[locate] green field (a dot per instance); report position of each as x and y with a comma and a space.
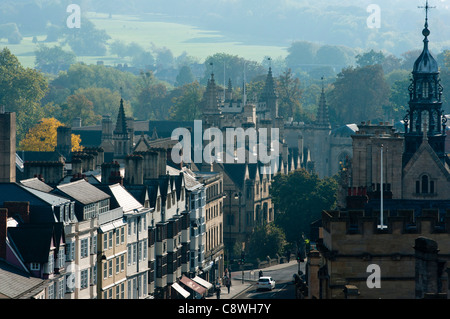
176, 37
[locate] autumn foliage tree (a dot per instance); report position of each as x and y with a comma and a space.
43, 137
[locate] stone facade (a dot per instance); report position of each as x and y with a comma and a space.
8, 147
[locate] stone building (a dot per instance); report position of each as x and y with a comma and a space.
397, 209
8, 147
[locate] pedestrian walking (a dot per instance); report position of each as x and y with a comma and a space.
228, 284
260, 273
218, 290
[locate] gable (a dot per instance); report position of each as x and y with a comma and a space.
425, 159
425, 164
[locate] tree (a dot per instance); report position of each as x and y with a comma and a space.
266, 240
78, 105
150, 100
331, 55
370, 58
301, 54
85, 76
409, 58
43, 137
104, 101
184, 76
21, 91
54, 59
143, 60
87, 40
289, 96
118, 48
399, 98
358, 95
164, 58
186, 107
299, 199
234, 67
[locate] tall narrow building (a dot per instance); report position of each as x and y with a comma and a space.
267, 108
121, 136
210, 105
425, 115
323, 119
7, 147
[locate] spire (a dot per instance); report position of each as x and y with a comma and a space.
269, 88
424, 117
322, 113
211, 98
229, 91
426, 63
121, 124
269, 96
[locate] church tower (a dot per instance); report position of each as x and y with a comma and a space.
425, 115
121, 136
323, 119
268, 101
210, 105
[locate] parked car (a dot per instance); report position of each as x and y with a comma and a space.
265, 283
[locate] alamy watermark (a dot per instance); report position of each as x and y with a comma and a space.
374, 19
374, 279
237, 146
74, 19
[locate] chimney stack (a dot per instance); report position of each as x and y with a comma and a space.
19, 208
7, 147
64, 140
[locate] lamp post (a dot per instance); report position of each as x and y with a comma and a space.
238, 196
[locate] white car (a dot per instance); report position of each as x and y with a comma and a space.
265, 283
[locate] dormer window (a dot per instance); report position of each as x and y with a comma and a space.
35, 266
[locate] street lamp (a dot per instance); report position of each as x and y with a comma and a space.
238, 196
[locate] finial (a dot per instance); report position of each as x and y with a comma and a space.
426, 31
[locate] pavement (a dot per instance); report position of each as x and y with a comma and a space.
239, 286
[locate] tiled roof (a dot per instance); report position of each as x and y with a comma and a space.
83, 192
17, 284
37, 184
33, 241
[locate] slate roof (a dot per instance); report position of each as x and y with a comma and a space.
236, 172
33, 241
83, 192
89, 138
152, 188
345, 131
31, 156
92, 135
138, 192
40, 202
37, 184
124, 198
165, 128
18, 284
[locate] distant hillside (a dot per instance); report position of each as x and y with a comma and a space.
257, 22
335, 22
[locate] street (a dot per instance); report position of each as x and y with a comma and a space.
283, 276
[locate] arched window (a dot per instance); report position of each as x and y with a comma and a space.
424, 185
